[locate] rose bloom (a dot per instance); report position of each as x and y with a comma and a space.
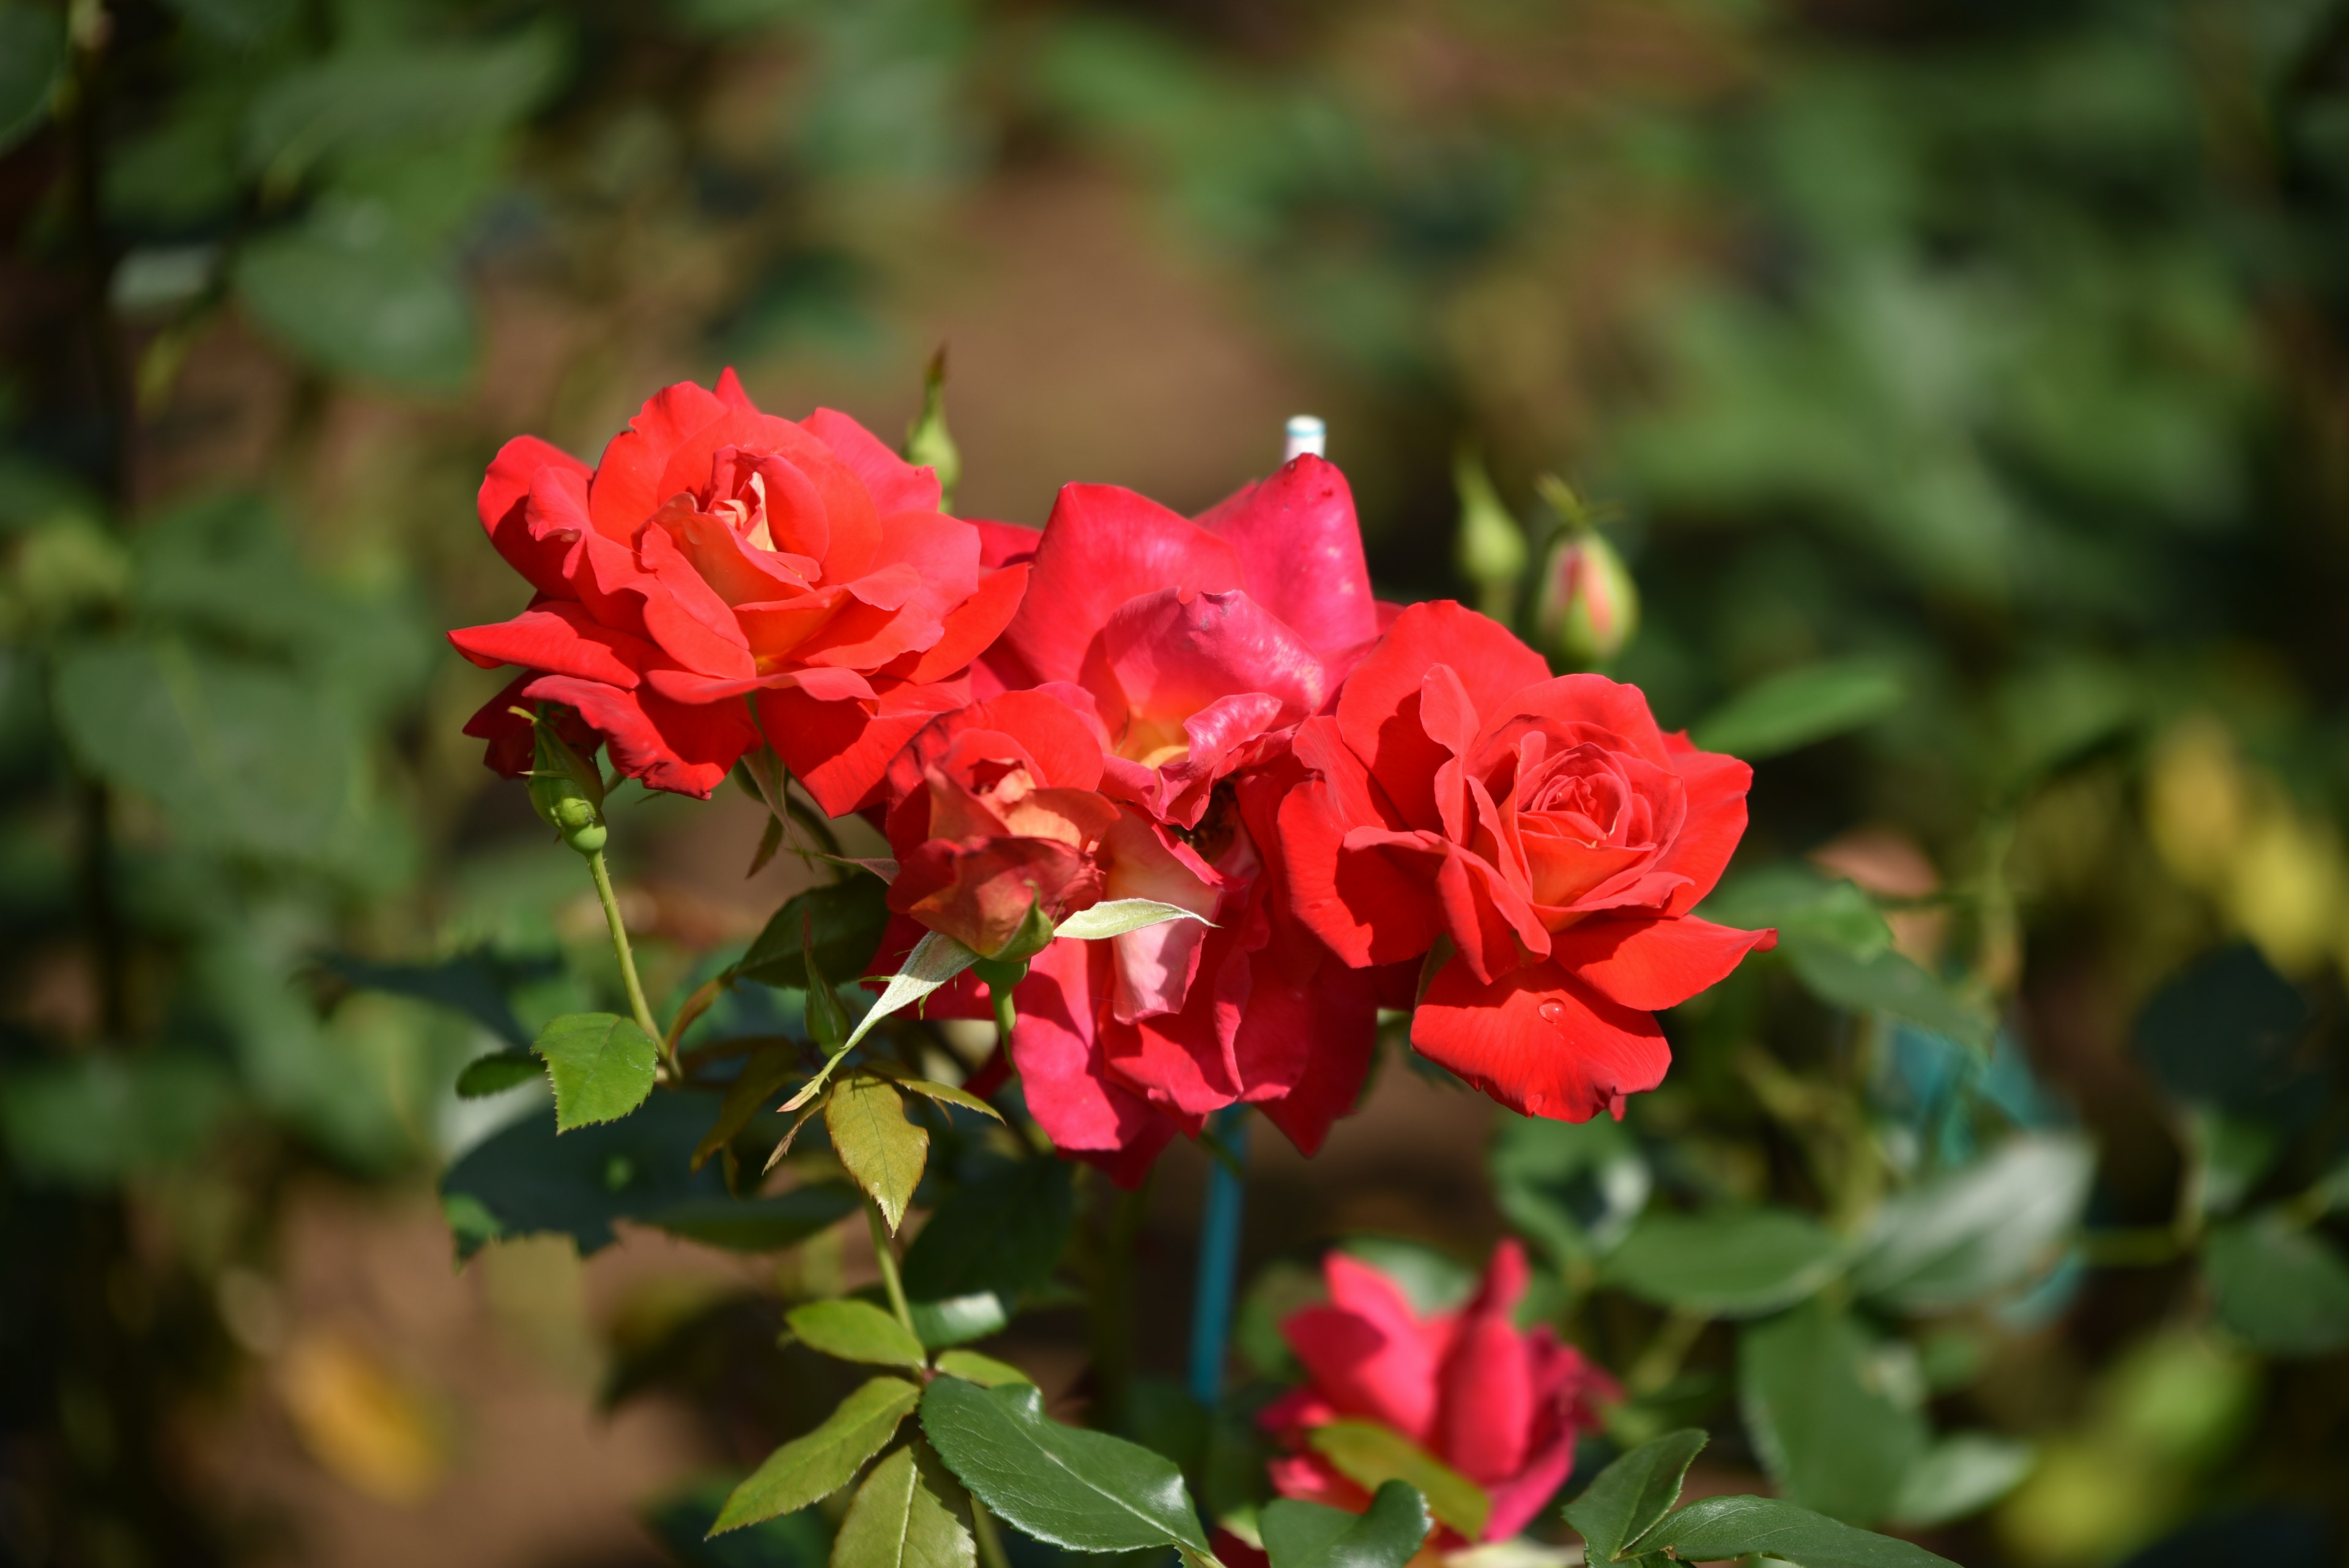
717, 554
1187, 651
1542, 827
1500, 1406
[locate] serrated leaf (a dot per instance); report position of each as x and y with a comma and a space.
898, 1521
984, 1370
762, 1077
825, 1460
1115, 917
1821, 1402
1310, 1535
528, 1179
948, 1095
1732, 1262
602, 1065
1718, 1527
935, 960
496, 1072
847, 919
880, 1148
2282, 1287
1626, 1499
1975, 1232
1085, 1490
851, 1330
1370, 1455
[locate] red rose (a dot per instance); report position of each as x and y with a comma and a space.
1501, 1407
1543, 825
718, 553
1189, 651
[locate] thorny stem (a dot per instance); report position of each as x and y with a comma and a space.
644, 1014
887, 1256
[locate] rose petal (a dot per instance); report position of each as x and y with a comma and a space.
1539, 1042
1653, 964
1301, 549
1103, 545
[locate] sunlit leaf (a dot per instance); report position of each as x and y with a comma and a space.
1116, 917
819, 1464
602, 1066
1370, 1455
1624, 1501
898, 1521
852, 1330
880, 1148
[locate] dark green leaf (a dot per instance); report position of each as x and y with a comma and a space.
896, 1520
1574, 1186
874, 1142
526, 1179
1973, 1232
1627, 1497
497, 1073
762, 1077
602, 1065
1797, 707
473, 983
31, 59
1828, 1412
680, 1521
1370, 1455
848, 919
1716, 1527
2229, 1033
1003, 1233
1085, 1490
93, 1118
2231, 1154
767, 1224
352, 294
242, 23
958, 1320
1309, 1535
1730, 1261
983, 1370
1961, 1474
825, 1460
851, 1330
1888, 981
2281, 1286
374, 96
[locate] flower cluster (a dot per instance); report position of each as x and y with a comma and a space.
1364, 805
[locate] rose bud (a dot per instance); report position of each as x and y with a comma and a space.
929, 444
566, 790
1491, 550
1588, 607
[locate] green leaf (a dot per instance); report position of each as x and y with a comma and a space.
852, 1330
349, 293
958, 1320
1001, 1233
1719, 1527
365, 97
1973, 1232
1115, 917
473, 983
679, 1522
880, 1148
2227, 1032
1797, 707
825, 1460
767, 1224
240, 23
983, 1370
496, 1072
1961, 1474
2281, 1287
1573, 1187
1626, 1499
1734, 1263
946, 1094
2231, 1154
847, 919
761, 1079
90, 1119
1888, 981
1387, 1534
526, 1179
1085, 1490
602, 1065
896, 1520
935, 960
1370, 1455
31, 59
1828, 1411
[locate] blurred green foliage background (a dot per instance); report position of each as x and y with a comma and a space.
1966, 387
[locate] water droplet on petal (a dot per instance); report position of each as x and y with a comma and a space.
1553, 1012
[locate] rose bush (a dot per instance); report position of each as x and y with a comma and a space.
716, 554
1540, 830
1187, 652
1501, 1405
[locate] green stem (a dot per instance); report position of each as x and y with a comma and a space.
1004, 1017
885, 1255
644, 1013
991, 1542
1660, 1361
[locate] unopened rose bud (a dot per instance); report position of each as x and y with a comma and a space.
1491, 549
926, 438
1588, 607
566, 790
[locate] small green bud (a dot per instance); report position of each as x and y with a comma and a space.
1588, 609
566, 789
927, 441
1491, 550
1034, 935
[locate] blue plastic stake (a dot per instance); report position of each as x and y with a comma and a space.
1219, 1258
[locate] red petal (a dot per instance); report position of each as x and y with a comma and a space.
1005, 544
1488, 1380
1103, 545
841, 749
504, 505
895, 484
1061, 1074
625, 490
976, 622
1716, 787
1368, 1352
688, 621
1653, 964
1538, 1042
1162, 656
558, 637
1378, 711
1334, 1021
1299, 543
1368, 909
1618, 709
685, 748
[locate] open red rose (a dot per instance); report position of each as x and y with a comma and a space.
716, 554
1500, 1406
1545, 827
1188, 651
